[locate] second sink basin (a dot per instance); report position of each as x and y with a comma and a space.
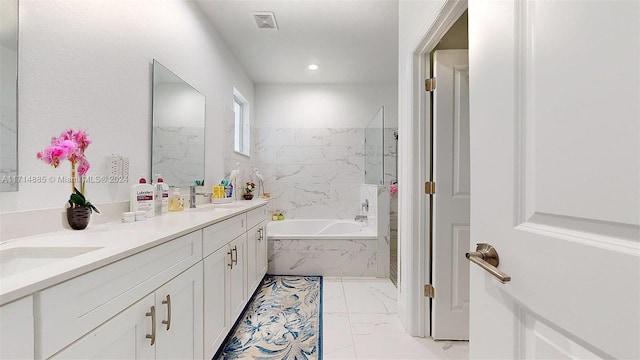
20, 259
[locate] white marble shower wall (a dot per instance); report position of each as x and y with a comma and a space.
312, 173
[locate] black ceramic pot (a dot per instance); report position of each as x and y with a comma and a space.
78, 217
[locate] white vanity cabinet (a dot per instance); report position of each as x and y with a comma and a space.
175, 300
225, 279
166, 324
216, 311
179, 316
238, 294
122, 337
256, 247
90, 307
16, 329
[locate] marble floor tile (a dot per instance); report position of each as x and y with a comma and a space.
381, 336
333, 300
360, 322
375, 296
337, 341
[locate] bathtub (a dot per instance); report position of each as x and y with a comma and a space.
322, 247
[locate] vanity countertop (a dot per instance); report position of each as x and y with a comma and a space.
49, 261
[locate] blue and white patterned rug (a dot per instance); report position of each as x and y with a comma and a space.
283, 320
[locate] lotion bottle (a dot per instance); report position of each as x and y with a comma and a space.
141, 198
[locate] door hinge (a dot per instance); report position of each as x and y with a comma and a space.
430, 84
430, 188
429, 291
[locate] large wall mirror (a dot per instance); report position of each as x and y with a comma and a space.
178, 129
8, 95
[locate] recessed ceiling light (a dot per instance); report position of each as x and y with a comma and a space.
313, 67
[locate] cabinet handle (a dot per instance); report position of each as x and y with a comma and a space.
152, 336
168, 303
231, 263
259, 234
235, 249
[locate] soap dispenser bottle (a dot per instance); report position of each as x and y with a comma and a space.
176, 202
163, 191
141, 198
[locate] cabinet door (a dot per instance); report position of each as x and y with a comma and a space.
216, 299
16, 329
256, 255
261, 254
252, 253
122, 337
238, 276
179, 316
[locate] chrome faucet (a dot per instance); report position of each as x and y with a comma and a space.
365, 205
192, 196
361, 218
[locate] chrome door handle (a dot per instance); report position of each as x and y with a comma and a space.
231, 256
487, 257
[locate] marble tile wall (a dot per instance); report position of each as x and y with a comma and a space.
312, 172
340, 257
337, 257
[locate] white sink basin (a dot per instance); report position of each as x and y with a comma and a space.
20, 259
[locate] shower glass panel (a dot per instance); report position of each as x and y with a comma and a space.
374, 149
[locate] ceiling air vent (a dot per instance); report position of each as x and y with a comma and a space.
265, 20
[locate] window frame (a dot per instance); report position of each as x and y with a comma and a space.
242, 124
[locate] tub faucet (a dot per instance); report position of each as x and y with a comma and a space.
361, 218
192, 196
365, 205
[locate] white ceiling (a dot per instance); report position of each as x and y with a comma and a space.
352, 41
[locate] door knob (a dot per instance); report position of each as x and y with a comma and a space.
487, 257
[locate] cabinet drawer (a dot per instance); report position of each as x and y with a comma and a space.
217, 235
255, 216
71, 309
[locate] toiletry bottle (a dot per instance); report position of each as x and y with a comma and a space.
141, 198
176, 202
164, 190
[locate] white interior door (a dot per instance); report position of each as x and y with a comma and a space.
450, 231
555, 176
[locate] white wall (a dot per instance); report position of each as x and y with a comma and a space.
324, 105
415, 18
87, 64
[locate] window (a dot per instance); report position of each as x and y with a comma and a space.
242, 135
